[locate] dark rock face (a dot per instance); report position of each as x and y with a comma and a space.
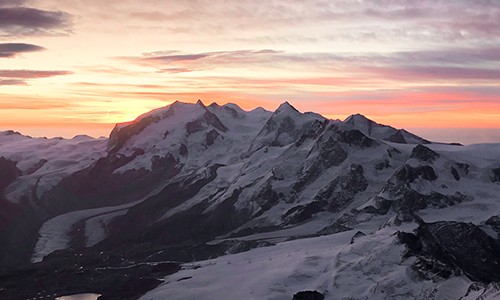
332, 229
301, 213
210, 137
411, 202
286, 126
355, 137
308, 295
193, 226
18, 222
335, 197
423, 154
194, 126
19, 226
97, 185
463, 168
312, 132
144, 214
397, 138
381, 207
496, 175
357, 235
233, 112
341, 191
266, 198
8, 172
494, 223
382, 165
183, 150
449, 248
455, 174
37, 166
211, 119
408, 174
405, 200
330, 154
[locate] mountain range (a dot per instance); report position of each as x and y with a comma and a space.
214, 202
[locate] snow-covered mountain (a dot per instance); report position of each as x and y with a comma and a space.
213, 202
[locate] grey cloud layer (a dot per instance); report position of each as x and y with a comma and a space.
21, 77
12, 82
23, 21
31, 74
9, 50
448, 64
11, 2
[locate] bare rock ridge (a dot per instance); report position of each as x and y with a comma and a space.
188, 182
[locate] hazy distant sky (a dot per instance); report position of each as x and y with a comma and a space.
69, 67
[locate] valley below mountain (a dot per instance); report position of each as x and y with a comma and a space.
214, 202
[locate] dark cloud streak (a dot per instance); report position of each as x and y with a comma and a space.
172, 58
10, 50
23, 21
31, 74
12, 82
11, 2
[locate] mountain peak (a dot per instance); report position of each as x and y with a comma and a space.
199, 103
286, 107
357, 118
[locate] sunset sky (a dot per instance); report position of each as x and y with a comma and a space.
69, 67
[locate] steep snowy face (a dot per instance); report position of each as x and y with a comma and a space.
195, 135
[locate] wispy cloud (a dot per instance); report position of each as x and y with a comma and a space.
31, 74
24, 21
21, 77
10, 50
12, 82
202, 60
11, 2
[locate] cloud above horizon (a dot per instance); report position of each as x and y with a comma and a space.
407, 66
10, 50
11, 2
23, 21
21, 77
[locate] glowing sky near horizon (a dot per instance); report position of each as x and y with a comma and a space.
69, 67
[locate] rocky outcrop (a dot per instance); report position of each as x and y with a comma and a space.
194, 126
141, 216
8, 172
18, 222
308, 295
452, 248
210, 137
341, 191
496, 175
327, 154
423, 154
